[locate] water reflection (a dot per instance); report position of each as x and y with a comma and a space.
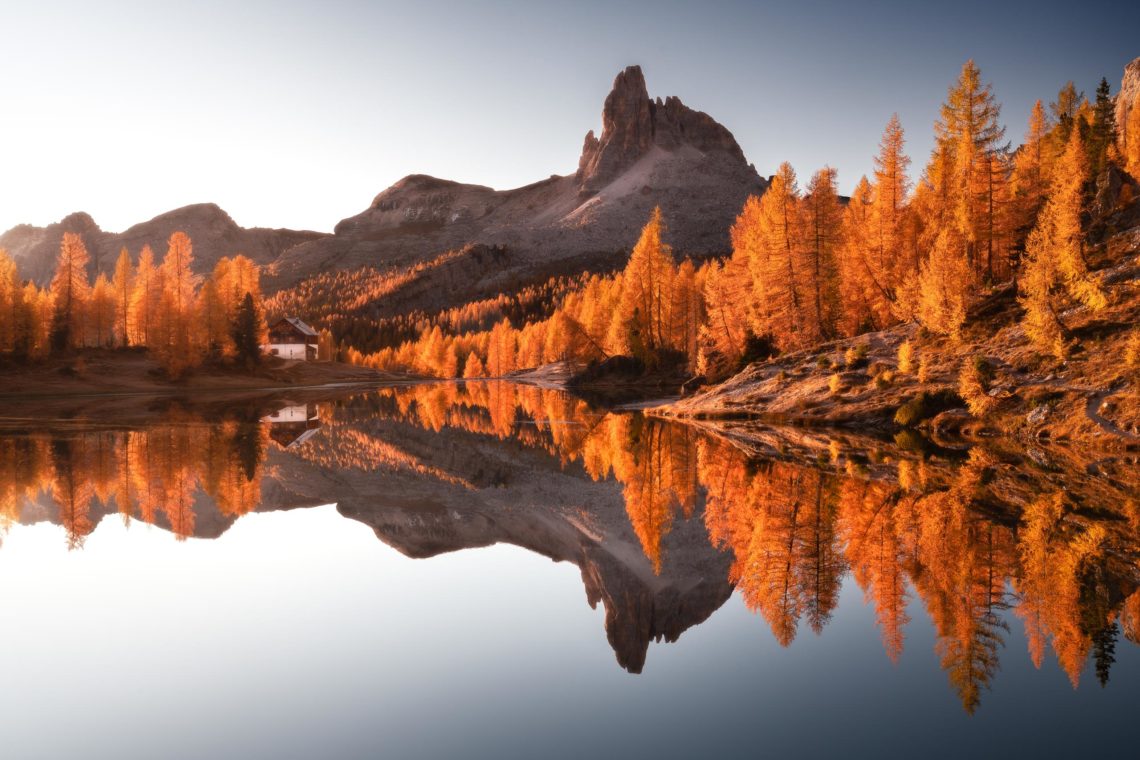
665, 521
170, 473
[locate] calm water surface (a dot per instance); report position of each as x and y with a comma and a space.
372, 576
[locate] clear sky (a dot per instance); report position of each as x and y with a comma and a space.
296, 114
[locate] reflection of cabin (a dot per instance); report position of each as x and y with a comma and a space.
290, 338
291, 425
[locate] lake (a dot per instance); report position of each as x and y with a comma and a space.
497, 570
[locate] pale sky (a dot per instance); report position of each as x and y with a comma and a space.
297, 114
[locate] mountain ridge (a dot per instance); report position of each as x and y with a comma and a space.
214, 232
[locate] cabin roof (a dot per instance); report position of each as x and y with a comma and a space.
298, 324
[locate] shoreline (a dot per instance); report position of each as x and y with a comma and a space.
209, 390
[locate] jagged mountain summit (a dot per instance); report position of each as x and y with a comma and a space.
632, 125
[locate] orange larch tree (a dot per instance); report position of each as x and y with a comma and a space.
70, 290
122, 289
145, 299
892, 186
1055, 255
641, 324
823, 219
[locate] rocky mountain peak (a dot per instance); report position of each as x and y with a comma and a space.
627, 131
79, 222
203, 219
632, 124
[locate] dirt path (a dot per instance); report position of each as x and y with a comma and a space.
1096, 397
1092, 410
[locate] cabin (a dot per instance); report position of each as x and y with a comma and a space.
290, 338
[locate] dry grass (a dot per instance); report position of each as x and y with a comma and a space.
906, 357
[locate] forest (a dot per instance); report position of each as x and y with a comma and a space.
181, 318
152, 474
808, 266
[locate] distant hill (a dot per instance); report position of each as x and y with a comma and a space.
214, 234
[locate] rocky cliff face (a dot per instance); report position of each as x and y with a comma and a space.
632, 124
212, 230
1126, 100
35, 248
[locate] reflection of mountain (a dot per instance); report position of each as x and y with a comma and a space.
663, 522
383, 462
426, 492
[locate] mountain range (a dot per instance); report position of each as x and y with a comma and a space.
651, 152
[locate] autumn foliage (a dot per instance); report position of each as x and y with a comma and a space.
182, 318
153, 474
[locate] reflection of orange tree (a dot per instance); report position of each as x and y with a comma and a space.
656, 464
1054, 555
965, 561
143, 473
72, 489
233, 463
871, 529
653, 462
25, 470
793, 530
779, 523
934, 537
1130, 617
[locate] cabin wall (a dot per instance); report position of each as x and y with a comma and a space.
295, 351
